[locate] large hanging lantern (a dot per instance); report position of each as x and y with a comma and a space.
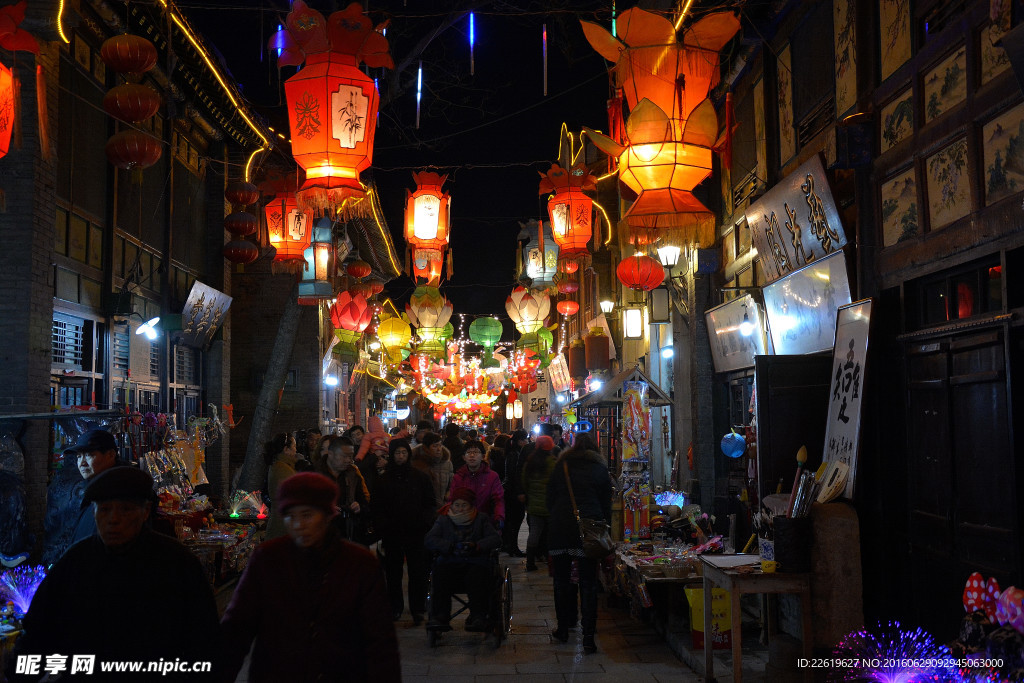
131, 149
539, 255
640, 272
486, 332
429, 311
394, 335
672, 127
569, 210
332, 105
427, 226
290, 228
128, 54
351, 312
528, 309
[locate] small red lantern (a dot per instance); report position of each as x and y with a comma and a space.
332, 105
241, 193
359, 269
376, 285
241, 223
290, 229
132, 149
6, 108
128, 53
568, 266
568, 307
351, 312
568, 286
241, 251
570, 211
131, 102
360, 289
640, 272
427, 226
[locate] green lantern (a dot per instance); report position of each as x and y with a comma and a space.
448, 332
485, 331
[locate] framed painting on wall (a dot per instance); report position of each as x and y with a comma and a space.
1002, 141
993, 58
897, 120
949, 185
844, 19
784, 79
900, 218
894, 34
842, 431
945, 86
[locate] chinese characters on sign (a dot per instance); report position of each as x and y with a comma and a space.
796, 222
847, 392
203, 314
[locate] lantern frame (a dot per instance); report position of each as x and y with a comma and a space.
570, 211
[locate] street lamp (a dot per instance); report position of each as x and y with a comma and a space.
669, 255
633, 323
607, 306
148, 328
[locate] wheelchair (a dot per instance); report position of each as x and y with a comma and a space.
499, 602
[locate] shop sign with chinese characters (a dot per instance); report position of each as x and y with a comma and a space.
847, 392
204, 312
796, 222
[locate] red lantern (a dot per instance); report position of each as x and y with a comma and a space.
6, 108
132, 149
351, 312
568, 307
332, 105
570, 211
359, 269
127, 53
241, 251
131, 102
290, 229
241, 223
241, 193
568, 266
640, 272
376, 285
568, 286
360, 289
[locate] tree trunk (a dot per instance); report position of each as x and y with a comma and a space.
254, 469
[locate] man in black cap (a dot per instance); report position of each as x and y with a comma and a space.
97, 452
124, 594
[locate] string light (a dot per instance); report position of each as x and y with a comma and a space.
472, 40
544, 37
419, 92
60, 22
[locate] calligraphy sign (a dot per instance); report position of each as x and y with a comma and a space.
204, 312
847, 392
796, 222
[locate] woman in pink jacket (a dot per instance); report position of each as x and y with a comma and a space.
484, 482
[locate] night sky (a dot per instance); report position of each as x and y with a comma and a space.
491, 132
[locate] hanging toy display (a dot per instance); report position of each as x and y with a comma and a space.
636, 455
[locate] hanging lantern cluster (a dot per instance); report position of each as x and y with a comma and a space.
332, 104
429, 311
289, 228
240, 223
640, 272
570, 211
673, 126
131, 102
528, 308
427, 227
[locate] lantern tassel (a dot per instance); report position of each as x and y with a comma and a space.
16, 89
451, 270
42, 112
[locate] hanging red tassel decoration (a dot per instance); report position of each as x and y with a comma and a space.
42, 113
616, 124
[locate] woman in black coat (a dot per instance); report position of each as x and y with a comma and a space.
592, 486
404, 510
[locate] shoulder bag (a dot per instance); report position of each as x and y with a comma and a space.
594, 533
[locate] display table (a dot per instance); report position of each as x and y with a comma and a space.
741, 574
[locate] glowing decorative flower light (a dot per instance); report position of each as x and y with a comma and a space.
528, 309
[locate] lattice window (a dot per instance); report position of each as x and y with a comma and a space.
154, 359
67, 341
120, 354
817, 120
185, 366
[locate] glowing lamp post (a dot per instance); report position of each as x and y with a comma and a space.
332, 105
427, 226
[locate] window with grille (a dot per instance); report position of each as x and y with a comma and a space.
120, 354
185, 366
67, 341
154, 359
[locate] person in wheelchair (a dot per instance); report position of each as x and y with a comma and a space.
463, 539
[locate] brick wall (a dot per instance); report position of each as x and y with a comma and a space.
26, 281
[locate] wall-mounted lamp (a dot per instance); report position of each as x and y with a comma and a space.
149, 329
633, 323
746, 327
330, 381
607, 306
669, 256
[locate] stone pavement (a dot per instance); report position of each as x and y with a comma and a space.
626, 647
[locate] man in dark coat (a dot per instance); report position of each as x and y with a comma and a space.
592, 488
519, 448
123, 594
315, 604
454, 444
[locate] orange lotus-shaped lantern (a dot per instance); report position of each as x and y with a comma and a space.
332, 105
672, 127
528, 309
570, 211
290, 228
427, 225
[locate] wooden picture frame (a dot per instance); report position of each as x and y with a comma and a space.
730, 348
801, 307
846, 394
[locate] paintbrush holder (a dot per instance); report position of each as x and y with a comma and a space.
793, 539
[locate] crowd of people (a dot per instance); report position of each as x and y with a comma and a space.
351, 515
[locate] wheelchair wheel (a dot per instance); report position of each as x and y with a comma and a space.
503, 625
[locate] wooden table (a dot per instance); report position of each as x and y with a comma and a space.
717, 572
